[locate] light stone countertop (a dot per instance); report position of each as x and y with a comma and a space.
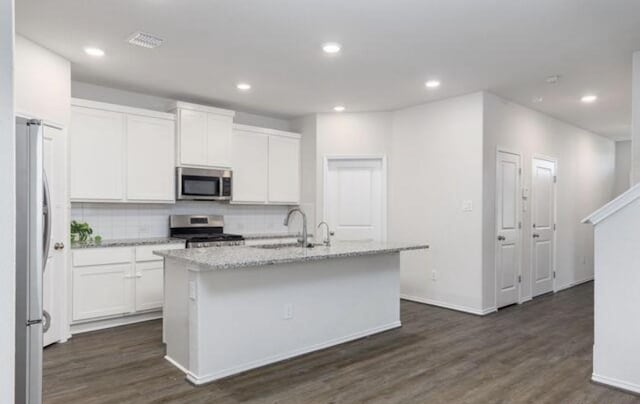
266, 236
133, 242
218, 258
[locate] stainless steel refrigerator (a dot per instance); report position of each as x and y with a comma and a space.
33, 227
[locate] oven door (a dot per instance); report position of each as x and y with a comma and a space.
199, 184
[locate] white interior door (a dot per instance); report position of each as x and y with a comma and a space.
355, 195
54, 287
508, 243
543, 208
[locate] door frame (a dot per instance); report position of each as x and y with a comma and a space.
539, 156
500, 149
341, 157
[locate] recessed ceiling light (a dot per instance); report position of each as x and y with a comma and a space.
589, 98
95, 52
145, 40
339, 108
432, 84
243, 86
331, 48
537, 100
553, 79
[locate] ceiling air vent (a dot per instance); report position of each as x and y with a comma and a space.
145, 40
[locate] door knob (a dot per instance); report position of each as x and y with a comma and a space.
58, 246
535, 235
501, 238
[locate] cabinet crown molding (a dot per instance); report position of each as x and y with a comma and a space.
204, 108
79, 102
265, 131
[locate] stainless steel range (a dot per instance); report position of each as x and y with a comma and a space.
202, 231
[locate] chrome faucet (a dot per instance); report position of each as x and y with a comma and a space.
326, 241
303, 242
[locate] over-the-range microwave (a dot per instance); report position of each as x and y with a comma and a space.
200, 184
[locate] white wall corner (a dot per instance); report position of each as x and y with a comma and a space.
635, 120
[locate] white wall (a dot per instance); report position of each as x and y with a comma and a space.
585, 172
435, 164
42, 83
7, 204
635, 119
623, 167
307, 127
122, 97
348, 134
616, 350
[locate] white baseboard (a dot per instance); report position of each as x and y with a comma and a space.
86, 326
572, 284
619, 384
457, 307
198, 380
176, 364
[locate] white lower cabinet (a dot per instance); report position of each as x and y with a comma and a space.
113, 282
101, 290
149, 285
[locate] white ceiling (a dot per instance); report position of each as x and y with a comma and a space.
390, 47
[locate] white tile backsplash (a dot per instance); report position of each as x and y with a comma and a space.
115, 221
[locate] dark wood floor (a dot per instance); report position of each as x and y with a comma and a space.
539, 352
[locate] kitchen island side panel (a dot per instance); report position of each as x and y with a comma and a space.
251, 317
175, 322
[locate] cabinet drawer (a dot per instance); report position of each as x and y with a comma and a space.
145, 253
102, 256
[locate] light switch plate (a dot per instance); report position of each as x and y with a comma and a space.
467, 206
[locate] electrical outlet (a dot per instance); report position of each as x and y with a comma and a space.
288, 311
467, 206
434, 275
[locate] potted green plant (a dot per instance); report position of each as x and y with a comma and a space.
81, 233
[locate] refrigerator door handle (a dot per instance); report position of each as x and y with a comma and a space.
46, 321
46, 212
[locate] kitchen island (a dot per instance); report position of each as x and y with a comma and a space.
230, 309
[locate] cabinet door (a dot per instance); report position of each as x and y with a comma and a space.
150, 159
104, 290
284, 170
149, 285
249, 160
96, 155
193, 137
219, 140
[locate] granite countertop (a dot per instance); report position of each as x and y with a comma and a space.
217, 258
132, 242
266, 236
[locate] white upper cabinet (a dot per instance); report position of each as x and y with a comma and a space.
192, 129
150, 159
250, 151
204, 136
219, 128
266, 166
96, 154
284, 169
121, 154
